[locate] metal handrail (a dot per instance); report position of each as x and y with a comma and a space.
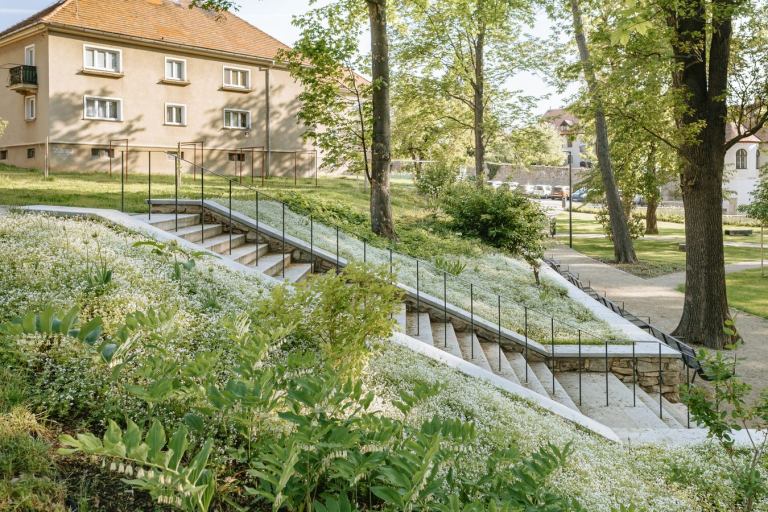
304, 212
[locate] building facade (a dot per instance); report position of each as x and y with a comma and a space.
568, 126
149, 74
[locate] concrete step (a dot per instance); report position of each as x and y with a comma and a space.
558, 394
246, 254
272, 264
620, 411
195, 233
167, 221
418, 326
221, 243
296, 272
471, 349
652, 402
444, 337
400, 316
518, 364
498, 361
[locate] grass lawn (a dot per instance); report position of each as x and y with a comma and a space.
747, 291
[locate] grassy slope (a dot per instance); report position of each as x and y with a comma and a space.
600, 474
657, 257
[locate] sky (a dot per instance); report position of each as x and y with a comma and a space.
274, 17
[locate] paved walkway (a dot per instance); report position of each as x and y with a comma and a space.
677, 278
664, 304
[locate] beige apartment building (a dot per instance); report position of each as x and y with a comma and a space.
82, 73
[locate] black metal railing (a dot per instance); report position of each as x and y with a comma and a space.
425, 272
22, 75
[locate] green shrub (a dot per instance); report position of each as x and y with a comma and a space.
634, 223
502, 218
434, 179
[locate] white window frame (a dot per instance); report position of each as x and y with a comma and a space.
33, 53
30, 100
237, 111
119, 108
183, 107
119, 53
233, 68
183, 69
739, 153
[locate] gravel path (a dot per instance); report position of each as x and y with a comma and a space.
658, 299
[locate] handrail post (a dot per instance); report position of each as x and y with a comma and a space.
579, 367
526, 342
122, 181
365, 250
661, 384
337, 249
606, 373
553, 353
258, 249
149, 191
202, 202
498, 297
391, 274
283, 258
472, 317
176, 165
311, 243
634, 377
418, 299
687, 390
231, 227
445, 312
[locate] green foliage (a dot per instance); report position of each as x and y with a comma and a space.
634, 223
173, 251
454, 267
501, 218
98, 277
338, 313
433, 179
725, 412
3, 125
539, 144
758, 208
189, 487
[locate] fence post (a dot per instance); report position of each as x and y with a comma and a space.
499, 299
258, 249
337, 249
606, 373
688, 389
202, 202
391, 278
149, 191
176, 171
445, 311
634, 377
472, 317
661, 384
311, 243
365, 250
231, 227
418, 299
579, 367
526, 342
553, 354
283, 238
122, 181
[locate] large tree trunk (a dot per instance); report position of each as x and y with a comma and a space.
651, 218
623, 250
479, 106
381, 207
652, 193
704, 84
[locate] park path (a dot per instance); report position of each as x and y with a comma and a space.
677, 239
659, 300
677, 278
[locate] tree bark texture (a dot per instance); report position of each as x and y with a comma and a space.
652, 193
479, 102
623, 249
704, 84
381, 208
651, 219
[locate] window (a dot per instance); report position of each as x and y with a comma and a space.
757, 158
175, 69
741, 159
104, 109
4, 154
237, 119
102, 59
30, 108
236, 77
29, 55
237, 157
175, 114
102, 153
31, 153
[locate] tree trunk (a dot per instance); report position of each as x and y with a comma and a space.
623, 250
381, 207
704, 83
651, 221
479, 107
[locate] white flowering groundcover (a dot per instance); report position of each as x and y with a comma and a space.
44, 261
492, 274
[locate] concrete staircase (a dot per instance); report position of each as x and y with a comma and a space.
623, 407
238, 247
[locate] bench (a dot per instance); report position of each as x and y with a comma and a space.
738, 232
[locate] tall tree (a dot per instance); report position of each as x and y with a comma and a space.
712, 91
380, 204
464, 51
623, 249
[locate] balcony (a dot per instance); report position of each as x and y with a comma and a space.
23, 79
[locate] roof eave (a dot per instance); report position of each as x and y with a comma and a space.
22, 32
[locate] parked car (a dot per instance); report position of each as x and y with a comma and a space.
513, 185
639, 200
542, 191
560, 192
579, 195
494, 184
529, 190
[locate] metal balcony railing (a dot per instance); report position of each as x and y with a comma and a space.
22, 75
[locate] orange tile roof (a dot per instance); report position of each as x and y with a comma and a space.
167, 21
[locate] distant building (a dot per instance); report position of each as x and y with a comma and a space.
568, 126
743, 162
